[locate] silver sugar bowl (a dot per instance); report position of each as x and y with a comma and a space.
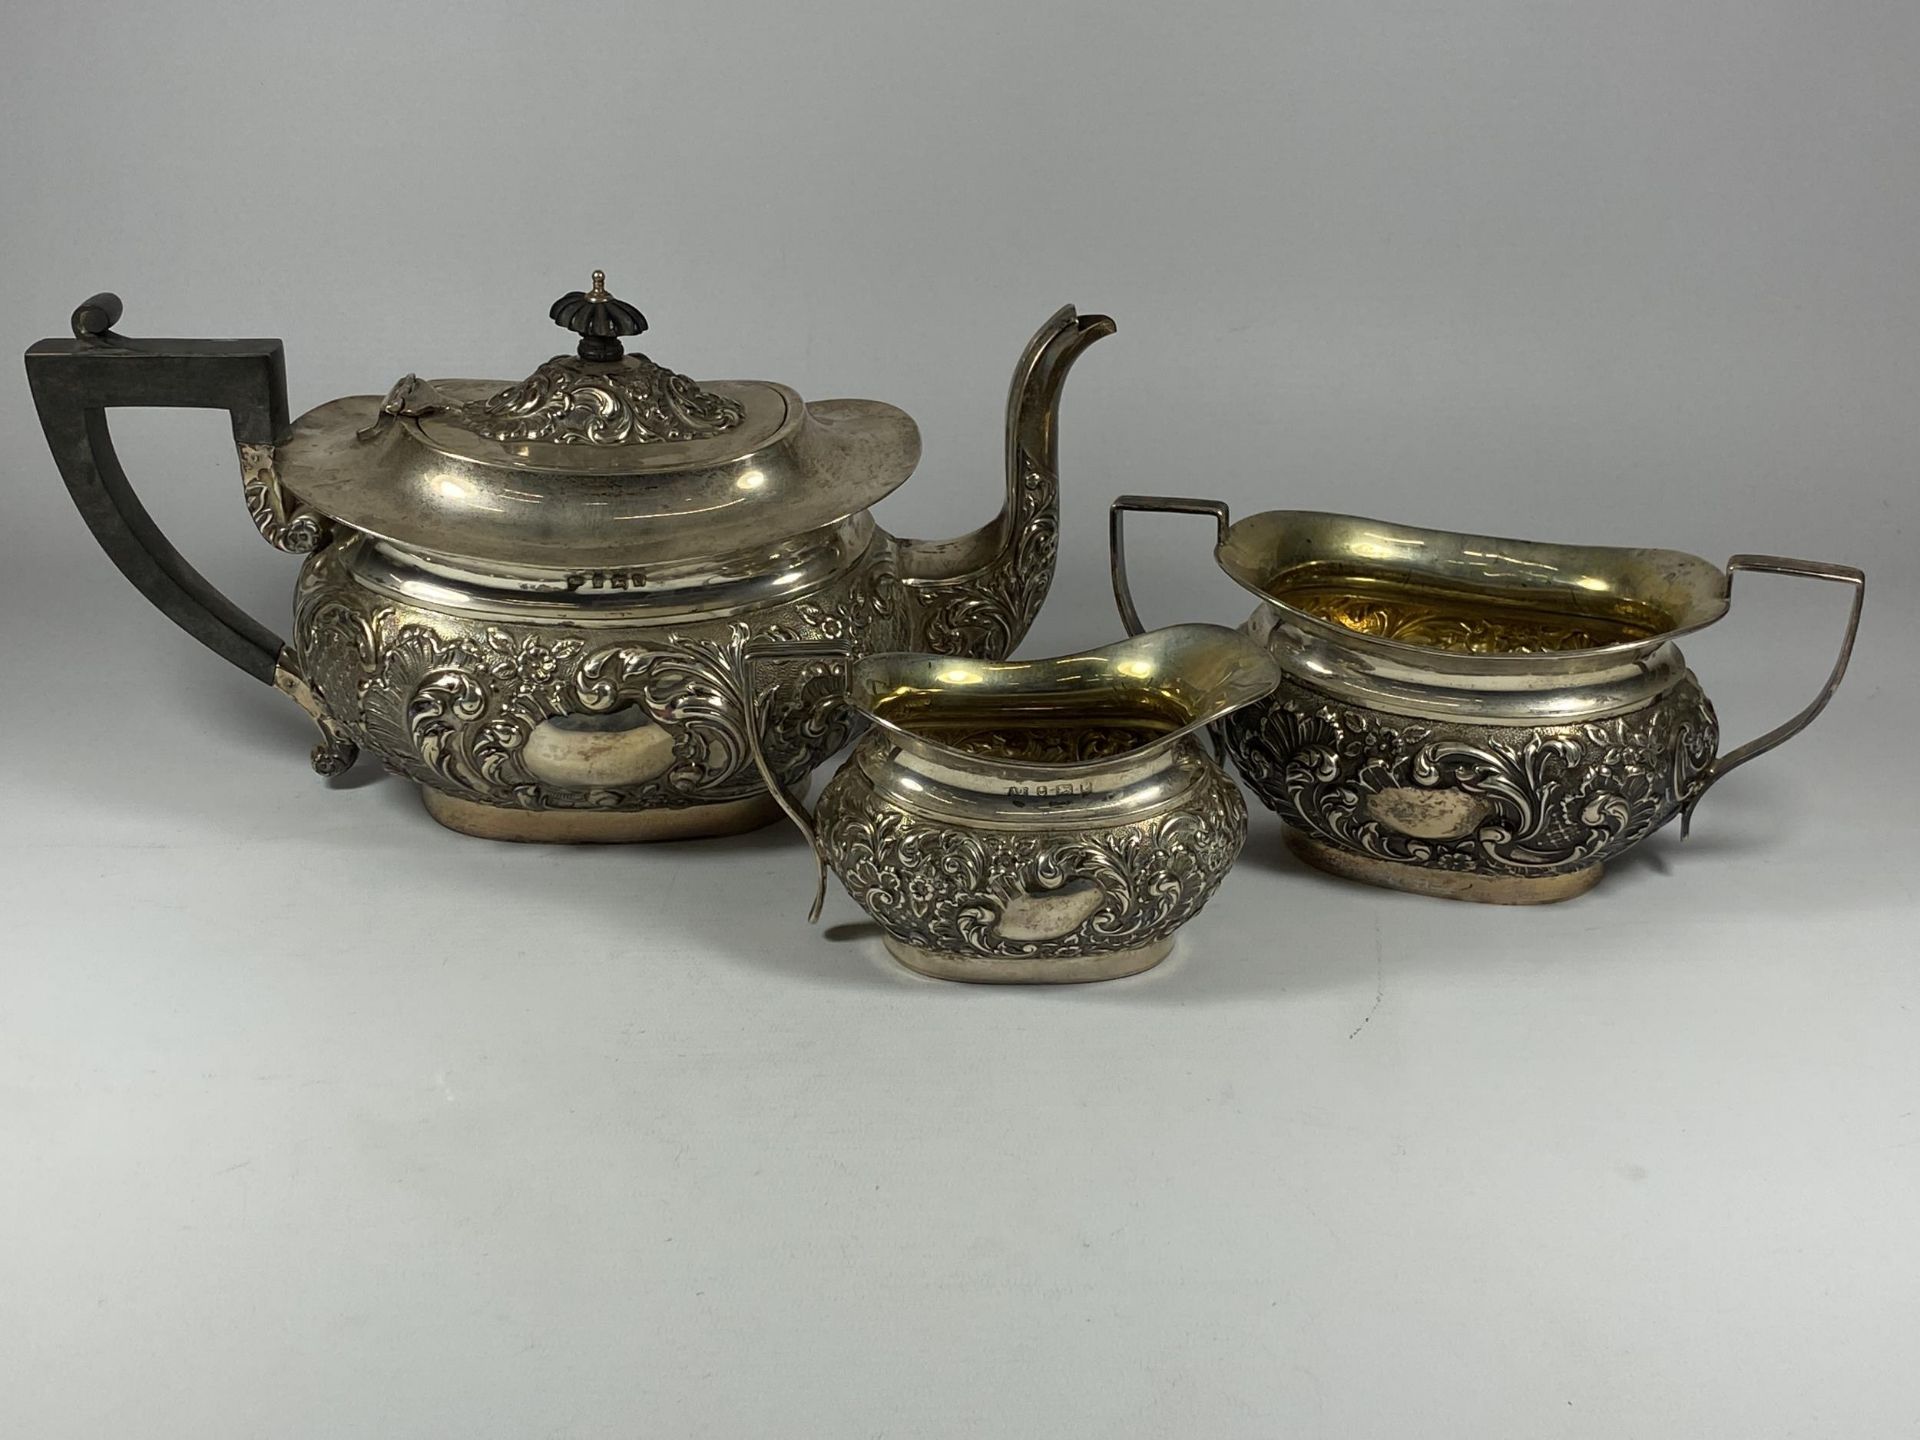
1475, 717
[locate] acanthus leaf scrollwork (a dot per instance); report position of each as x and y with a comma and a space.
945, 887
1545, 799
452, 703
1456, 629
283, 523
987, 611
568, 401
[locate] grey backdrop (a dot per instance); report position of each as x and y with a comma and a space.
321, 1121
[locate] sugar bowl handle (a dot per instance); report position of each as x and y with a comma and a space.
1117, 540
783, 795
1811, 570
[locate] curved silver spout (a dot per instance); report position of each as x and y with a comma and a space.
977, 594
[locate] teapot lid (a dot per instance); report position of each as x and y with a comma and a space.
597, 459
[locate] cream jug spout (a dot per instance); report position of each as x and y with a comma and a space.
977, 594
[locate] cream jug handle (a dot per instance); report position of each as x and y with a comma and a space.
791, 803
75, 382
1117, 540
1812, 570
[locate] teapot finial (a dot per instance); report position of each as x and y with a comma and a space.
598, 319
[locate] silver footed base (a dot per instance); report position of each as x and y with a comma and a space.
599, 827
1443, 884
1029, 969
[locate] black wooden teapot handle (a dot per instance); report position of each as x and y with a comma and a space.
75, 382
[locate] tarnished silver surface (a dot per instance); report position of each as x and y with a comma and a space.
1542, 690
1031, 896
1560, 596
1037, 821
1468, 715
707, 588
570, 401
428, 482
1511, 800
608, 712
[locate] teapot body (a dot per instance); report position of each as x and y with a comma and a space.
589, 706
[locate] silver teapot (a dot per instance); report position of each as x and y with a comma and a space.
535, 599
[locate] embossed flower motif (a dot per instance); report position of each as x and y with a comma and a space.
539, 665
527, 663
1379, 745
831, 624
1456, 860
921, 890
